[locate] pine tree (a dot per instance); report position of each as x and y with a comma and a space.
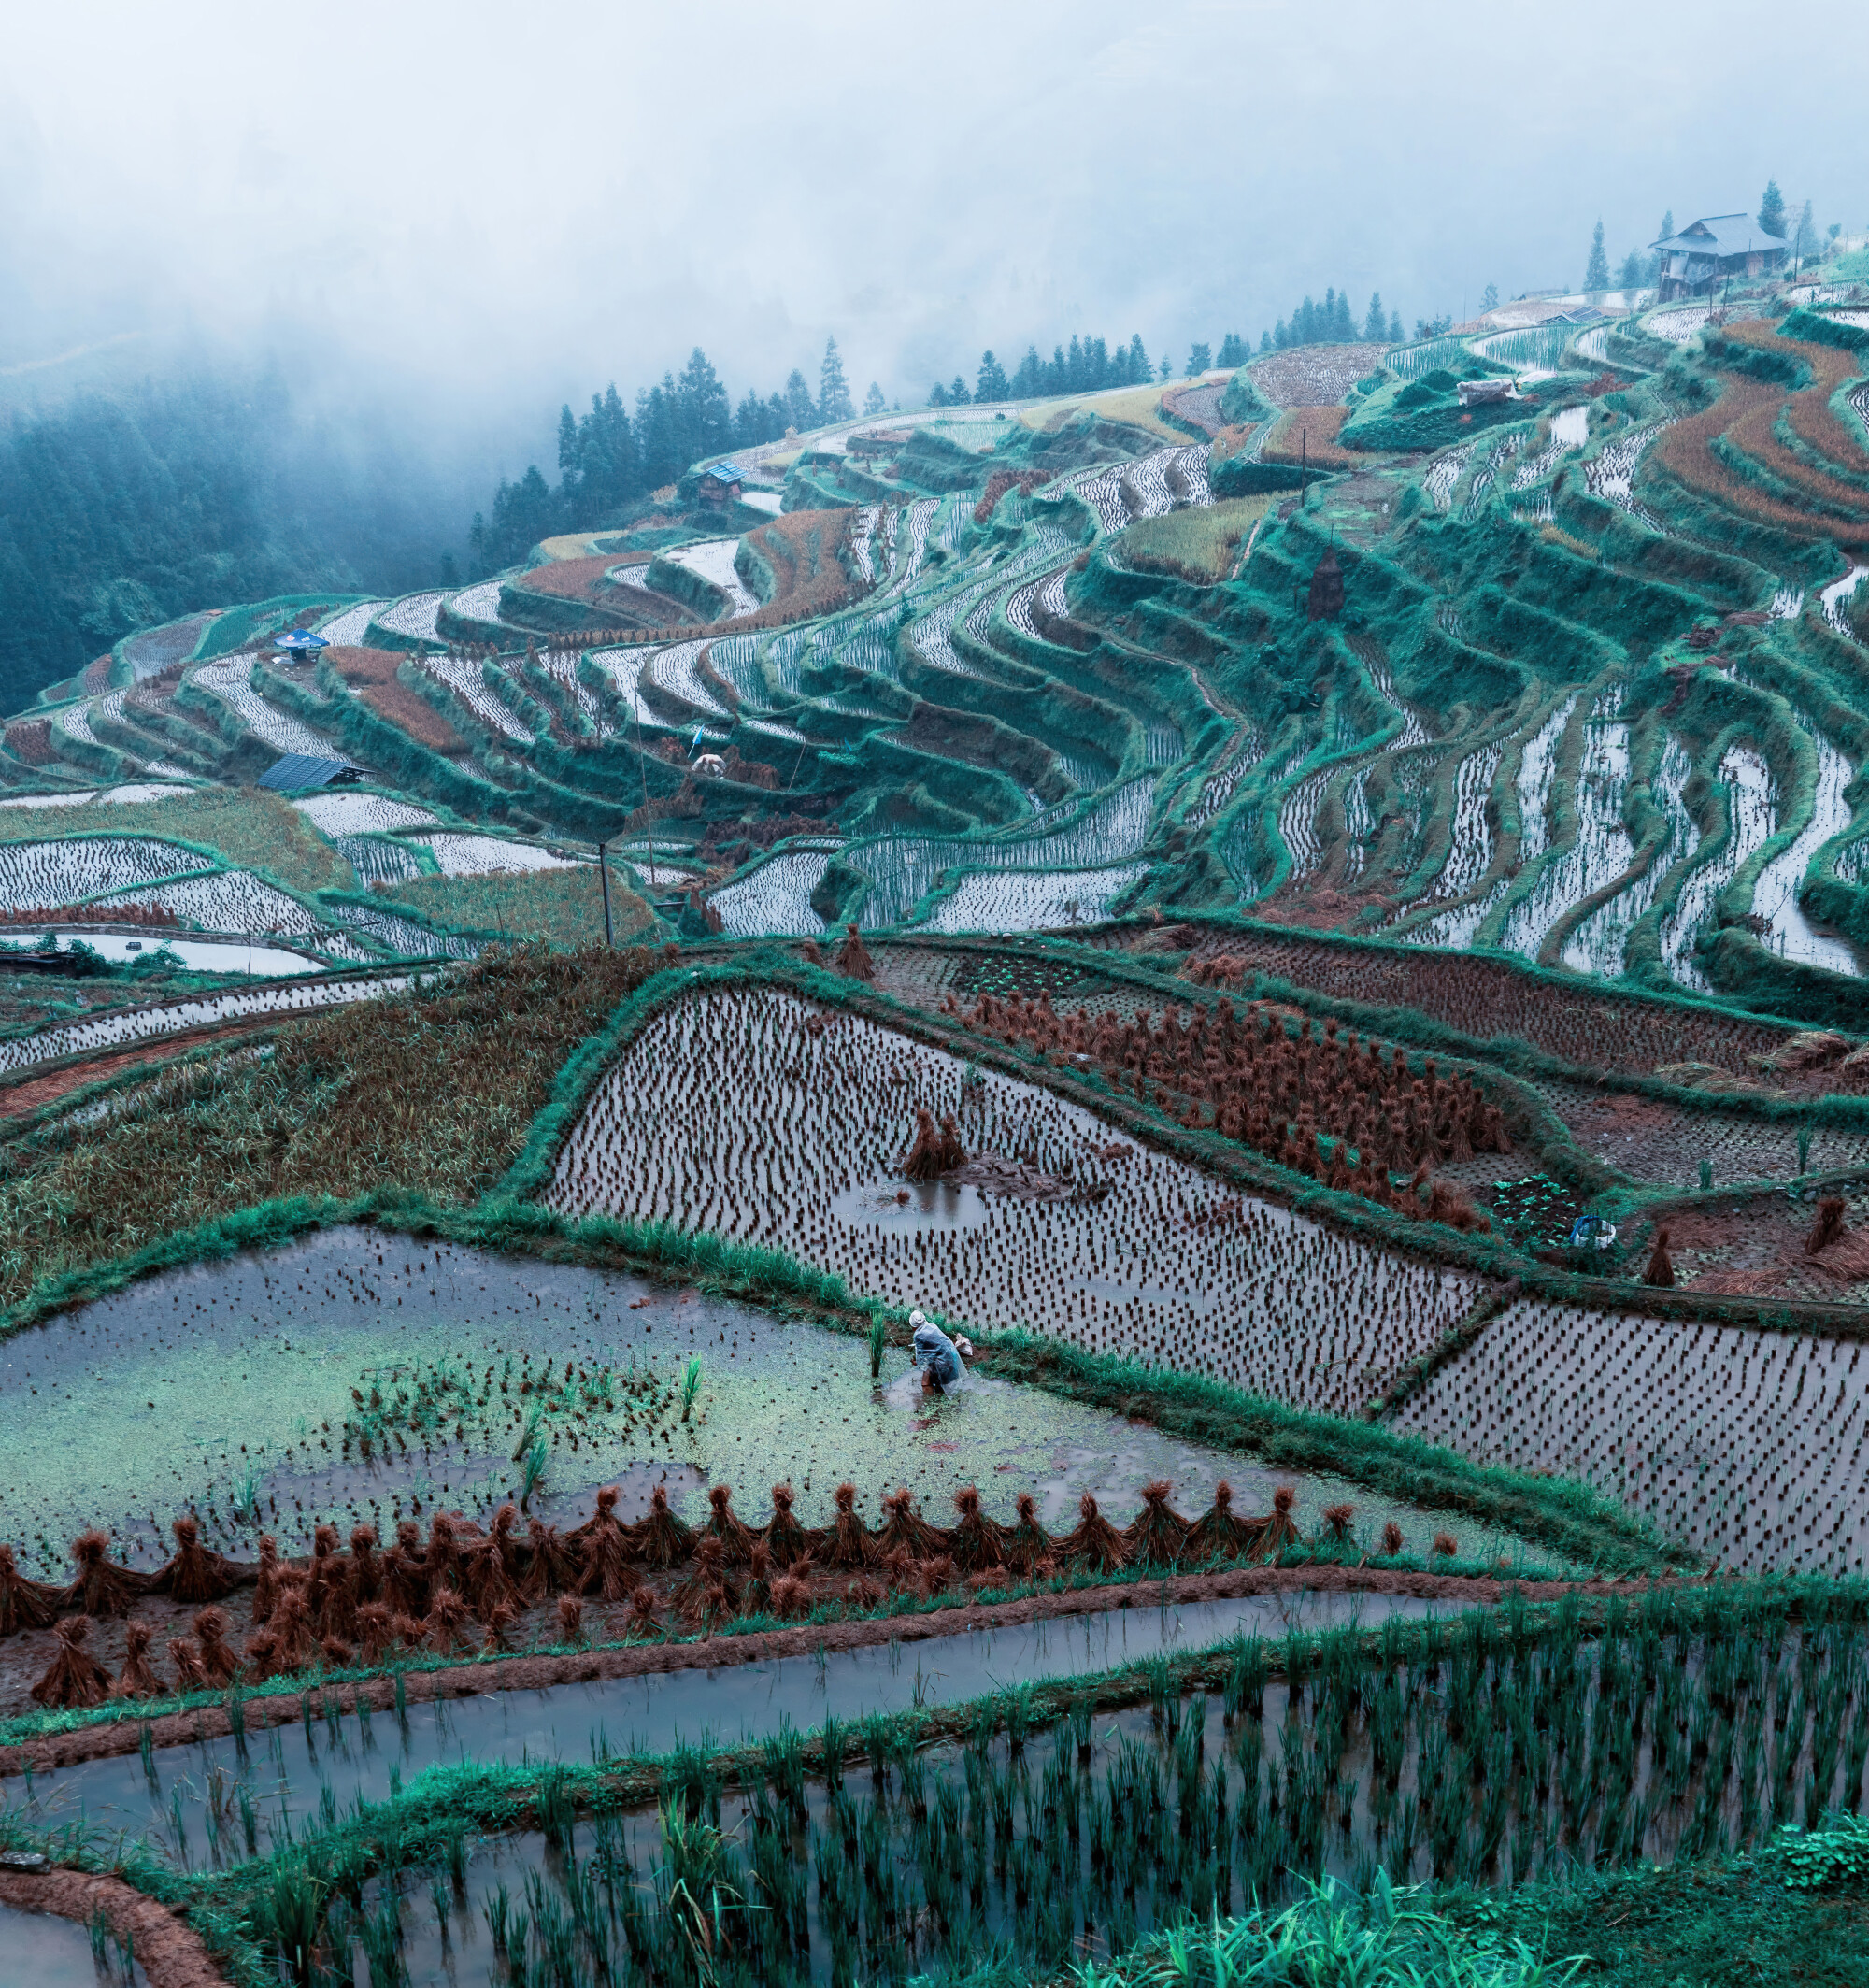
1596, 276
1630, 276
1395, 327
1140, 371
750, 422
1028, 384
1374, 327
1199, 361
1803, 240
1233, 350
567, 450
799, 412
873, 400
990, 384
1074, 366
957, 392
1282, 336
1772, 211
1266, 340
1168, 368
937, 396
1651, 272
834, 391
1488, 297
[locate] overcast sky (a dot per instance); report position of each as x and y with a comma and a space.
492, 209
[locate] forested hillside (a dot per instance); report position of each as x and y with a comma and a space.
117, 512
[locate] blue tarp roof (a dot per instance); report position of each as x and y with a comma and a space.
298, 771
726, 472
300, 638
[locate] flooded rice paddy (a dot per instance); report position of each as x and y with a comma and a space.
362, 1377
45, 1952
1746, 1446
184, 1798
1459, 1763
756, 1115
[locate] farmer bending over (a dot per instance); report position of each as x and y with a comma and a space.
936, 1355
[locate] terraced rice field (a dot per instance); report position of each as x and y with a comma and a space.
35, 876
358, 814
1600, 942
1122, 1252
1033, 900
903, 869
413, 616
237, 901
145, 1024
232, 682
675, 671
775, 898
347, 628
1746, 1445
1775, 895
712, 560
379, 859
467, 855
1601, 850
1751, 821
468, 681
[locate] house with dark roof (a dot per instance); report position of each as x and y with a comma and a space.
720, 483
300, 772
1708, 251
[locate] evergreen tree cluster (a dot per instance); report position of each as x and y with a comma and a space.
117, 512
609, 458
1334, 323
1086, 365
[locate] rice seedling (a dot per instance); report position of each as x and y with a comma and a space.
826, 1188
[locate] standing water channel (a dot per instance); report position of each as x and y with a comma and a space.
216, 1801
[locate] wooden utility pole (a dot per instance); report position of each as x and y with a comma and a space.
603, 877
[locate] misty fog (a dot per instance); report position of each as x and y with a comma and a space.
431, 227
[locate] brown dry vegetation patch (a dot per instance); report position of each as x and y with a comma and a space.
1745, 414
1752, 434
1756, 1248
31, 742
372, 674
432, 1092
801, 547
1484, 999
170, 1953
1309, 435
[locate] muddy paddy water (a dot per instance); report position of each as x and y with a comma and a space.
246, 1391
212, 1801
53, 1953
